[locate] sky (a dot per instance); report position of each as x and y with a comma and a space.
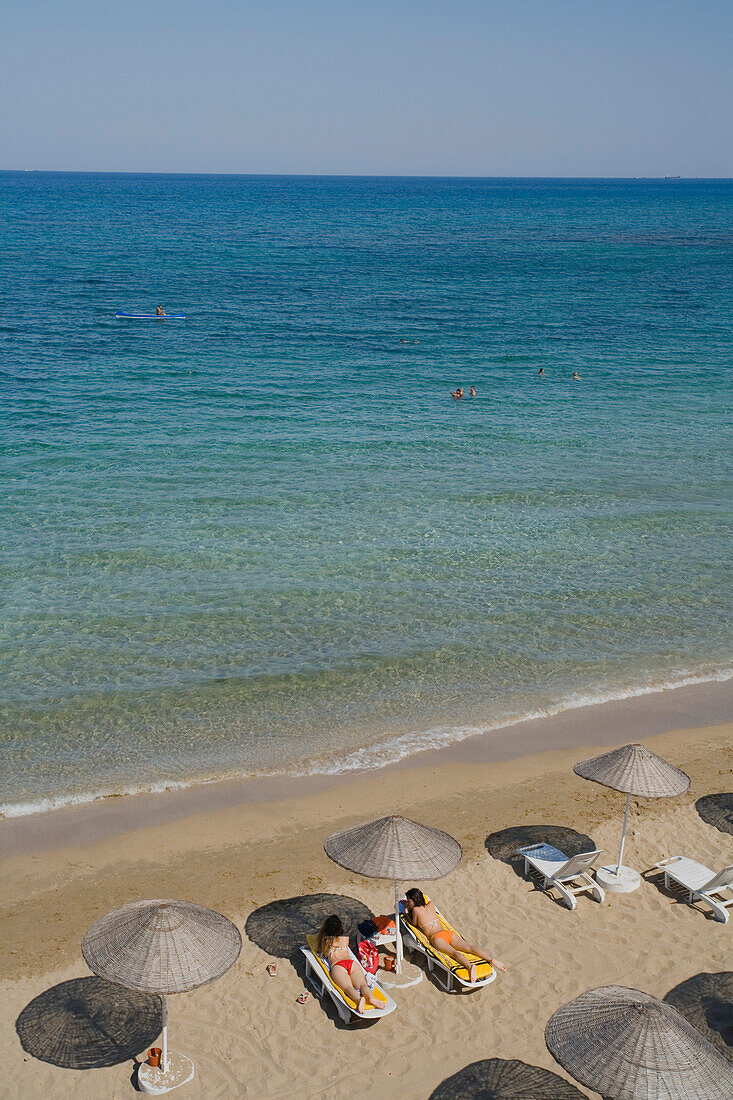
436, 87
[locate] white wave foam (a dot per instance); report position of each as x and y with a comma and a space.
59, 802
408, 744
383, 753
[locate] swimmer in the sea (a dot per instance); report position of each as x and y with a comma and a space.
472, 391
576, 377
542, 371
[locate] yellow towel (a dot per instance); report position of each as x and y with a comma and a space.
483, 970
376, 992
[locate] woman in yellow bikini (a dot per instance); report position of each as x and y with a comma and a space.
424, 915
348, 974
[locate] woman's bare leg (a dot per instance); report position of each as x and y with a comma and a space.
457, 949
355, 988
452, 952
358, 976
464, 945
342, 979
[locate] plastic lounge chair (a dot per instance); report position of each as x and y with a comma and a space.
319, 975
571, 876
701, 883
448, 973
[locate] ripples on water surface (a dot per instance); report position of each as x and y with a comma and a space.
265, 537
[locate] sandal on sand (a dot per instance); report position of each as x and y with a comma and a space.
303, 998
271, 969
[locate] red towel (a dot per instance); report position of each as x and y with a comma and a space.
368, 956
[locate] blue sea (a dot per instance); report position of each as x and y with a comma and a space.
265, 539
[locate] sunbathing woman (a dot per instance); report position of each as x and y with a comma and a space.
424, 915
347, 973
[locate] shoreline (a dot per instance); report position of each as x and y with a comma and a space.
407, 742
597, 725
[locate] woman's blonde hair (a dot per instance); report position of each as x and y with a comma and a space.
331, 929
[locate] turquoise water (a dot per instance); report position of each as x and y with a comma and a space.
266, 539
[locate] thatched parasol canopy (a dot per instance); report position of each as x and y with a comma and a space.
627, 1045
635, 770
162, 946
395, 848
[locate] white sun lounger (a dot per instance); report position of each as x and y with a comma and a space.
701, 883
571, 875
319, 975
448, 972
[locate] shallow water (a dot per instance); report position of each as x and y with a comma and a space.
266, 538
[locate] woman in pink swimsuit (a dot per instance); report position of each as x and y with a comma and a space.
347, 973
424, 915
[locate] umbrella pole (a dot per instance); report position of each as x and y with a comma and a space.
623, 832
165, 1036
398, 940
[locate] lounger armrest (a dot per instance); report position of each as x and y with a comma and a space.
720, 881
669, 859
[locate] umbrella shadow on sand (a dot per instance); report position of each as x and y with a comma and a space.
88, 1023
717, 810
706, 1001
505, 1079
281, 927
503, 844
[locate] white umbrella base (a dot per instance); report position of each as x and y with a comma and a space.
623, 882
410, 975
155, 1082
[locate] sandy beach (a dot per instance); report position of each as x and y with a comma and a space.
240, 851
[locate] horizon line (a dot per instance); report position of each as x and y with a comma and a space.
339, 175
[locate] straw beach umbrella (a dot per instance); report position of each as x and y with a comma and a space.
162, 946
627, 1045
398, 849
634, 770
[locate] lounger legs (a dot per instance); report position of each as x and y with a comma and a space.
445, 983
546, 883
566, 895
321, 989
567, 892
720, 912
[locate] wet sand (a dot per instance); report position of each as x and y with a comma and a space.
602, 724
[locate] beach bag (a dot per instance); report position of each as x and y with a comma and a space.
368, 956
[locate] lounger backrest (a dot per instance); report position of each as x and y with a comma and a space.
723, 878
576, 865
